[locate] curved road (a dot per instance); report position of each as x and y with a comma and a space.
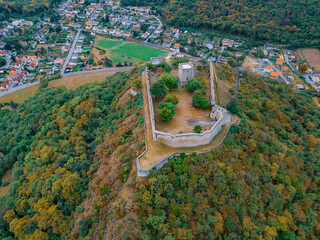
158, 28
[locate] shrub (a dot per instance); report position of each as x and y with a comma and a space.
197, 129
4, 182
165, 114
200, 100
137, 83
83, 227
167, 105
231, 90
172, 99
159, 89
170, 80
194, 84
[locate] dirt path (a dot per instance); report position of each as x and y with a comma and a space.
316, 102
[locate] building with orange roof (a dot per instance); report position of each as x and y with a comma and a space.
268, 68
176, 46
3, 52
285, 68
280, 61
274, 75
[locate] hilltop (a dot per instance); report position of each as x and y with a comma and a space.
295, 22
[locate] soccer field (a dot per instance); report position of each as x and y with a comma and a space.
138, 51
108, 43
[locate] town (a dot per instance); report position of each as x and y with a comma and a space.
84, 37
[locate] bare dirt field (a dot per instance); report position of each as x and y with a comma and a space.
96, 56
186, 114
313, 57
250, 63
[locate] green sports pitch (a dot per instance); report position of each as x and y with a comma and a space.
130, 51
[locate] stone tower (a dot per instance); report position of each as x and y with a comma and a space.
186, 71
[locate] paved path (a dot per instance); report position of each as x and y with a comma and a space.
14, 89
289, 64
71, 50
238, 86
221, 51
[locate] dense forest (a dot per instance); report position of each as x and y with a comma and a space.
294, 22
49, 142
72, 155
25, 8
263, 183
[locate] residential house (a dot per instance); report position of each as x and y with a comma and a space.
275, 75
268, 68
58, 60
223, 59
208, 44
238, 54
176, 46
227, 42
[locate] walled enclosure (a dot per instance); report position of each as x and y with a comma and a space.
190, 139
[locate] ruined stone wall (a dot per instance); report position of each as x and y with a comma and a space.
212, 80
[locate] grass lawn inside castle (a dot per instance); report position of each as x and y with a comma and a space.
187, 115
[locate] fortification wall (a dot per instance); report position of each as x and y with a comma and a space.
188, 139
153, 124
193, 139
212, 79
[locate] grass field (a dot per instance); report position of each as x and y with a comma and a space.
138, 51
121, 51
71, 82
108, 43
21, 95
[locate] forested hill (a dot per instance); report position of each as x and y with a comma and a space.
262, 183
50, 141
23, 8
295, 22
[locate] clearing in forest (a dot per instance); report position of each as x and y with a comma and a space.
250, 62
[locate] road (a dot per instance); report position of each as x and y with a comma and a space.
158, 28
8, 61
281, 75
288, 63
71, 50
14, 89
221, 51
